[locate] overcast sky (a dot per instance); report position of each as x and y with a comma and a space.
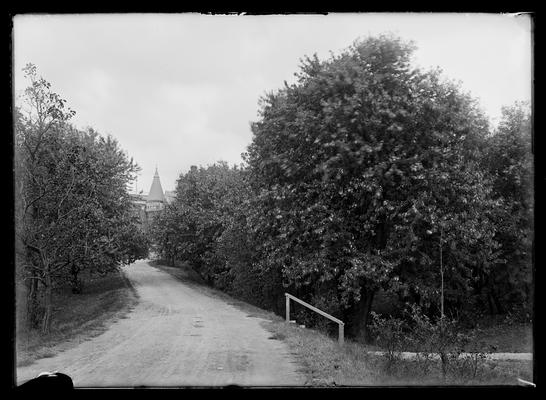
181, 90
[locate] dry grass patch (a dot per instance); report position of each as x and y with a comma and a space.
78, 317
323, 360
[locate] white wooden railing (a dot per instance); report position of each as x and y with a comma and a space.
339, 322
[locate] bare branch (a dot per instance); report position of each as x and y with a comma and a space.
70, 188
34, 277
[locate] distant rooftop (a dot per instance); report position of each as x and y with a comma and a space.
156, 191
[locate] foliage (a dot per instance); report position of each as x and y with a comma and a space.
207, 199
390, 334
508, 159
356, 170
440, 338
440, 346
208, 226
167, 234
366, 174
73, 210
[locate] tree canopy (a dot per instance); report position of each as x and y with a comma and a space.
364, 175
73, 210
357, 168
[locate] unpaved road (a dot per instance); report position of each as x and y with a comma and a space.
175, 336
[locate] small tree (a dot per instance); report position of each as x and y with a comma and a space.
390, 334
436, 338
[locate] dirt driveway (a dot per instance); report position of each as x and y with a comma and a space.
177, 335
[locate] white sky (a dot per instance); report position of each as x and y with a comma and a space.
181, 89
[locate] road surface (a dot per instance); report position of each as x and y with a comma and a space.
176, 336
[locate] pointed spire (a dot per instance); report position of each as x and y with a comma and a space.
156, 191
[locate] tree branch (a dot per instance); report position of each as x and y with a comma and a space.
34, 277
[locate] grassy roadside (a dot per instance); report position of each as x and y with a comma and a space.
78, 317
505, 336
324, 363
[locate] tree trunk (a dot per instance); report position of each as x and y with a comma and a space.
46, 319
444, 360
497, 302
21, 306
495, 306
75, 282
492, 306
32, 304
358, 315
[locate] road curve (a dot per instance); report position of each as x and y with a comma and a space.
175, 336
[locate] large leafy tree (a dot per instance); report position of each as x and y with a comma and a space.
356, 171
73, 210
39, 130
207, 200
508, 159
209, 225
172, 232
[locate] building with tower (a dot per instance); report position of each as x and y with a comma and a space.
155, 201
147, 206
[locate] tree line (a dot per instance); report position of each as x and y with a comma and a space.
365, 175
73, 213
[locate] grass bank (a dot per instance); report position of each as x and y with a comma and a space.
78, 317
506, 336
325, 364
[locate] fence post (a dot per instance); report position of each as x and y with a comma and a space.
341, 324
287, 308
